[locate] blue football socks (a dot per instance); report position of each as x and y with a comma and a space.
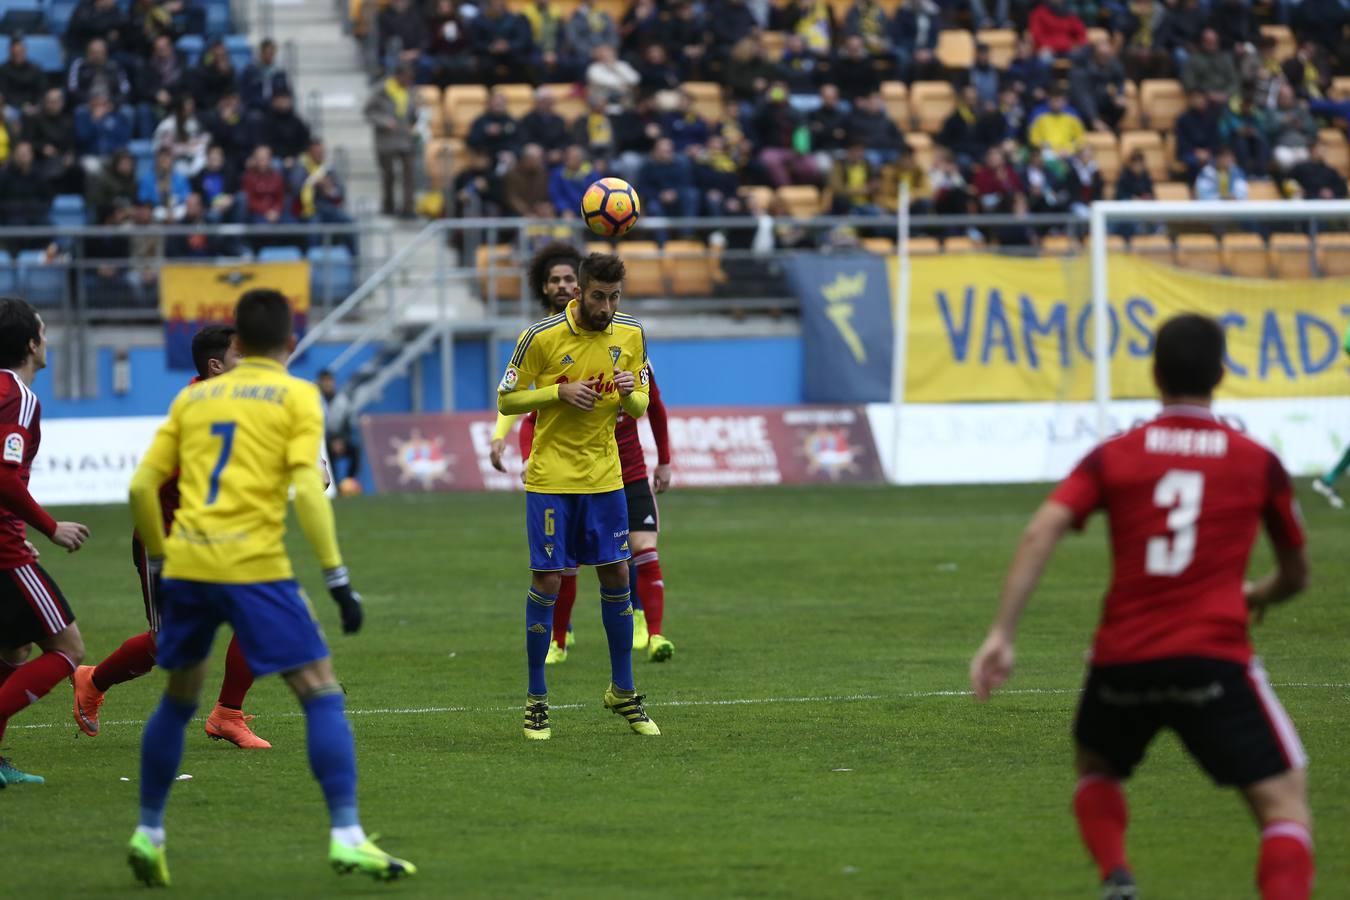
161, 753
332, 753
538, 634
617, 613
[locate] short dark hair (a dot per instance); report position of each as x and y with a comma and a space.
550, 255
263, 317
211, 343
19, 327
1188, 356
606, 268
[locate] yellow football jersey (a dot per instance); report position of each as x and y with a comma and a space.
574, 450
234, 440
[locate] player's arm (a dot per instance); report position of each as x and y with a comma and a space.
315, 513
993, 663
499, 433
16, 499
635, 388
1068, 507
656, 415
157, 466
1282, 524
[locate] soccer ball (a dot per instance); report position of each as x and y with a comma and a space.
610, 207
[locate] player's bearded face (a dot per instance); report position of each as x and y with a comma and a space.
599, 302
561, 288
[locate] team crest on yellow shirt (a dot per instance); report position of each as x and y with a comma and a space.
615, 353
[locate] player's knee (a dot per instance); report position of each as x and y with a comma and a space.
642, 542
1088, 763
613, 577
547, 582
15, 656
1283, 798
69, 643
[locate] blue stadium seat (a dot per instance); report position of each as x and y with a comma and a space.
68, 211
45, 52
7, 281
240, 50
280, 254
4, 48
191, 46
27, 5
218, 19
28, 21
41, 284
332, 276
59, 13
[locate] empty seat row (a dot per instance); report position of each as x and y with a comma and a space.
677, 269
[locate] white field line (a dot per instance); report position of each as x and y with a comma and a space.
737, 701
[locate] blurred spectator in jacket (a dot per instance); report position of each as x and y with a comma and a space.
264, 78
1221, 179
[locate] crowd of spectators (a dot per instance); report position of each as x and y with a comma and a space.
814, 114
146, 133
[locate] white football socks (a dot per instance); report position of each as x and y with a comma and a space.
350, 835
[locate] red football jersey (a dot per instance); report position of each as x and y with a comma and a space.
631, 457
1184, 497
20, 435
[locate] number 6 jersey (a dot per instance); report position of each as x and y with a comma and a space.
1184, 497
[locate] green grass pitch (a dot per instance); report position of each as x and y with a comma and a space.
816, 742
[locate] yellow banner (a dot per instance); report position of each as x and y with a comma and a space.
984, 327
208, 293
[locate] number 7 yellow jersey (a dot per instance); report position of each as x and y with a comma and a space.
234, 441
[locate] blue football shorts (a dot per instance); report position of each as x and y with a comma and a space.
272, 619
570, 530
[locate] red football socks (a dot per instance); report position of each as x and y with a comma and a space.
1285, 871
562, 609
238, 677
31, 682
1099, 805
133, 659
651, 588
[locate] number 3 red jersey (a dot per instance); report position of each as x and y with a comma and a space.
1185, 496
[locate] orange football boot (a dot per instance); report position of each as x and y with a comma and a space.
225, 724
88, 700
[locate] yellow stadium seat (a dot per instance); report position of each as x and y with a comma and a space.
429, 98
1115, 243
1333, 254
1151, 145
879, 245
1155, 247
707, 97
519, 98
1161, 101
496, 269
1335, 150
1199, 252
930, 103
1340, 87
765, 194
569, 101
960, 245
895, 96
1264, 189
924, 246
1244, 255
800, 200
921, 145
1285, 44
1131, 120
1106, 150
1291, 256
1097, 35
443, 159
1060, 245
1172, 190
1002, 44
645, 277
688, 268
463, 103
773, 45
955, 49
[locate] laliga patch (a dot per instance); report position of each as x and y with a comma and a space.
509, 380
14, 449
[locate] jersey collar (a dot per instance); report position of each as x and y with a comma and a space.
573, 311
262, 362
1187, 411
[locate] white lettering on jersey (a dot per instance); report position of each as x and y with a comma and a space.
1186, 442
